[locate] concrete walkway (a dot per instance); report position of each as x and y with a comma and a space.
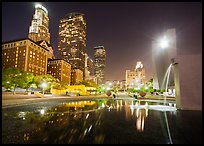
9, 100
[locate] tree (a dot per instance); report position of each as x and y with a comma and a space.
11, 78
27, 80
48, 79
88, 83
59, 85
14, 77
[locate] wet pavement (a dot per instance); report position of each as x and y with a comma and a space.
98, 121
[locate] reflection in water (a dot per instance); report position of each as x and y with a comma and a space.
140, 123
73, 120
93, 121
140, 116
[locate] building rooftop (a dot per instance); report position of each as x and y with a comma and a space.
21, 39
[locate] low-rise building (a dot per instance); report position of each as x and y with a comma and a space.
135, 78
60, 69
26, 55
76, 76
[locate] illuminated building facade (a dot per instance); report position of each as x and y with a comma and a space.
88, 67
48, 47
39, 29
60, 69
135, 78
72, 40
76, 76
100, 63
26, 55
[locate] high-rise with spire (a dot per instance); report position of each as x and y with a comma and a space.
39, 29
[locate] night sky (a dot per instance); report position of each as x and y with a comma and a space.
126, 30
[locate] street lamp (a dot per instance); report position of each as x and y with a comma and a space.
164, 43
44, 85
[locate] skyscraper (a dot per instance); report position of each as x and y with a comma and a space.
99, 61
39, 29
72, 40
88, 67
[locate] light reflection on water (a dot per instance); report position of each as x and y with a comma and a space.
93, 121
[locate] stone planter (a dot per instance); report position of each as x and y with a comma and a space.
142, 94
108, 93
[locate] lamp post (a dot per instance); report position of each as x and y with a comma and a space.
164, 43
44, 85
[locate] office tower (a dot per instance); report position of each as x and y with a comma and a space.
99, 62
39, 29
26, 55
72, 40
60, 69
88, 67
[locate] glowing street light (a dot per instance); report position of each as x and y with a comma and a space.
42, 111
164, 43
44, 85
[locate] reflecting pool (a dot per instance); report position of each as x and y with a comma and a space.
107, 121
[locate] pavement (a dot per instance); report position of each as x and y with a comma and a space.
10, 100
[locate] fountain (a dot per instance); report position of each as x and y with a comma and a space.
166, 77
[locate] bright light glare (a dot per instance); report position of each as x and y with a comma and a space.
44, 85
42, 111
164, 42
40, 6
